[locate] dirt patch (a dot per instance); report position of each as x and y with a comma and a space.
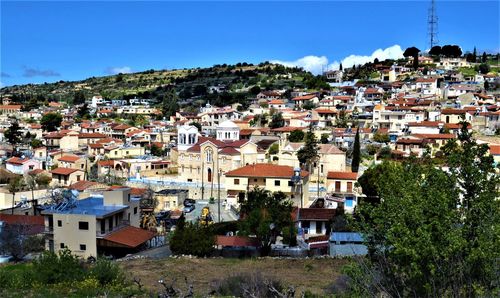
313, 275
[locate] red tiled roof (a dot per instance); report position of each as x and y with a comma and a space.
426, 80
121, 127
425, 124
438, 136
130, 236
264, 170
276, 102
69, 158
325, 111
323, 214
93, 135
10, 107
63, 171
495, 149
82, 185
453, 112
456, 126
35, 224
229, 151
342, 175
236, 241
410, 141
17, 160
305, 97
287, 129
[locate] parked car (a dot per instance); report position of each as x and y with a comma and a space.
189, 202
188, 209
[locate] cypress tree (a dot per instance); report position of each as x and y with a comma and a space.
356, 153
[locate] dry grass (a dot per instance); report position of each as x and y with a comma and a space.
313, 275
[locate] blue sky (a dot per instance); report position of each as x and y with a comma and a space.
49, 41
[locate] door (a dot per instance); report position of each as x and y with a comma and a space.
209, 175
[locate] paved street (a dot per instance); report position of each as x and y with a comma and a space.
226, 215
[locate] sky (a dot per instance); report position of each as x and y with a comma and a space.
46, 41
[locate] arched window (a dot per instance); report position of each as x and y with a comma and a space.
209, 155
209, 175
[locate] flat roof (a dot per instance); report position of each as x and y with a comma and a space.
90, 206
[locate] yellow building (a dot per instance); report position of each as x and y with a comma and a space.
123, 152
270, 177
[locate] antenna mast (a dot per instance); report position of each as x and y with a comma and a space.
432, 23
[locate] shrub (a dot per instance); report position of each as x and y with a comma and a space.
106, 272
51, 268
247, 285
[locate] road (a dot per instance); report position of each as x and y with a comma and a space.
225, 214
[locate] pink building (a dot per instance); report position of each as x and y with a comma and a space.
22, 166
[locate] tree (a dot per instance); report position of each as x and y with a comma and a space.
376, 61
192, 239
452, 51
432, 233
474, 55
342, 120
356, 153
78, 98
277, 121
412, 52
13, 134
83, 111
169, 103
43, 180
296, 136
435, 51
324, 138
308, 105
51, 121
15, 185
308, 154
381, 137
36, 143
274, 149
266, 215
196, 124
255, 90
16, 240
484, 58
484, 68
155, 150
340, 67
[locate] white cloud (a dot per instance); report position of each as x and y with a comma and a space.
316, 64
311, 63
117, 70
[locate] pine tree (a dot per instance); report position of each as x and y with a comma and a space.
340, 67
485, 58
12, 134
356, 153
308, 154
474, 55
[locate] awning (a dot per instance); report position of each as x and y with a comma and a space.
130, 236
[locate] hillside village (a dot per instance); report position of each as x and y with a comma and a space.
111, 172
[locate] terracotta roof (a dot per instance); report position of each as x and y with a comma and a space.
426, 124
320, 238
426, 80
93, 135
265, 170
495, 149
229, 151
435, 136
410, 141
69, 158
456, 126
10, 107
453, 112
342, 175
121, 127
323, 214
63, 171
236, 241
17, 160
276, 102
35, 224
130, 236
82, 185
305, 97
325, 111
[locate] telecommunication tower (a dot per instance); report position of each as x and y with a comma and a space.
432, 24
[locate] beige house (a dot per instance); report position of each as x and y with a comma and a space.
455, 116
342, 185
107, 224
66, 140
331, 158
124, 152
71, 161
66, 176
270, 177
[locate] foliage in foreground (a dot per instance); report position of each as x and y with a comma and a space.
192, 239
64, 275
434, 233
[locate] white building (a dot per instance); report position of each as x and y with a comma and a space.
228, 131
187, 136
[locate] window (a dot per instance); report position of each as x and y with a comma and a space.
78, 177
31, 167
135, 210
103, 226
349, 186
337, 186
62, 246
83, 225
81, 166
349, 202
59, 223
305, 224
110, 223
255, 180
126, 152
236, 181
290, 183
321, 169
276, 183
83, 247
318, 227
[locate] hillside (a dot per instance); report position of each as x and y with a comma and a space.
193, 84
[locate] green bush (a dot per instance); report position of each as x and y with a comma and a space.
192, 239
106, 272
51, 268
